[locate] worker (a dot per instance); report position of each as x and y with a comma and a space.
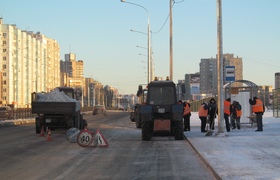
187, 115
258, 108
202, 114
227, 113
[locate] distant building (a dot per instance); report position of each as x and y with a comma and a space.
277, 80
208, 76
181, 90
192, 86
209, 72
29, 63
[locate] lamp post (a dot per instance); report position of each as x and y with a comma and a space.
148, 32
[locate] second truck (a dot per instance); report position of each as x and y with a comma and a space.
57, 109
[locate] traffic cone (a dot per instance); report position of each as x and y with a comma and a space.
49, 138
42, 134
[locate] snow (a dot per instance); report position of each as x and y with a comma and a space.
240, 154
57, 96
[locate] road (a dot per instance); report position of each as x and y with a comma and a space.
26, 155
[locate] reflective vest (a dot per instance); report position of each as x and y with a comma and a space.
258, 107
187, 109
227, 107
238, 113
202, 112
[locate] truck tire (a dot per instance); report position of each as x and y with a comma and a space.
138, 123
76, 122
83, 124
146, 130
178, 130
38, 126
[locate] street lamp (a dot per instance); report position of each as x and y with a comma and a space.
148, 32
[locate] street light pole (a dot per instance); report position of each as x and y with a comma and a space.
171, 45
220, 67
149, 55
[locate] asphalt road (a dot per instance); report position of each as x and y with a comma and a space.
26, 155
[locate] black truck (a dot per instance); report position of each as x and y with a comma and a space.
161, 113
57, 113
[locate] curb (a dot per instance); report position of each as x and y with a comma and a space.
204, 161
16, 122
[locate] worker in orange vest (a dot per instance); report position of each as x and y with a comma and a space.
187, 115
227, 113
202, 114
236, 115
258, 108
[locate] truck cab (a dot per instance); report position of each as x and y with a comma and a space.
161, 113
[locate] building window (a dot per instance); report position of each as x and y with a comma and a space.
4, 58
4, 50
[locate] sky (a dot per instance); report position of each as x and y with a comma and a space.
99, 33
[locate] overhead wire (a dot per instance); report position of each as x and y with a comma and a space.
167, 17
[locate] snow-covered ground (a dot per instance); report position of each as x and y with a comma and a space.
240, 154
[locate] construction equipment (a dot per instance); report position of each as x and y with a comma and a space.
161, 113
57, 109
135, 114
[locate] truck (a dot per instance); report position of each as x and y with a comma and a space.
135, 114
161, 113
57, 109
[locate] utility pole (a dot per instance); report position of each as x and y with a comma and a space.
220, 66
171, 45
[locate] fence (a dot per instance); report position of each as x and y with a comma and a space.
25, 113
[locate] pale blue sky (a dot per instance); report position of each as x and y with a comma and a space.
98, 32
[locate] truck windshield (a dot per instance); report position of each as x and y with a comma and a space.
161, 95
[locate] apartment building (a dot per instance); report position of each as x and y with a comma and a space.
29, 63
209, 72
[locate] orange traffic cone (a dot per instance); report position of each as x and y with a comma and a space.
42, 134
49, 138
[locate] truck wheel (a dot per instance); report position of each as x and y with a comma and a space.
178, 130
76, 122
138, 123
38, 126
146, 131
83, 124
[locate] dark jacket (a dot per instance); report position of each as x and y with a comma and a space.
234, 107
212, 108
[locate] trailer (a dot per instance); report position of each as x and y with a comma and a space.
57, 110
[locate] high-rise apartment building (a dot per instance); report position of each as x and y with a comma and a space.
29, 62
209, 72
208, 76
277, 80
72, 67
72, 75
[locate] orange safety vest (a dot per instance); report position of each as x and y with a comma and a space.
238, 113
187, 110
202, 112
227, 107
258, 107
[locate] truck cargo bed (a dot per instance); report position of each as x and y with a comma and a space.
53, 107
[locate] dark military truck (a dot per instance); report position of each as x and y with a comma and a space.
161, 113
57, 110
